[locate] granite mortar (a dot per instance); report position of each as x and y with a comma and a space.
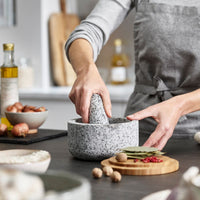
103, 136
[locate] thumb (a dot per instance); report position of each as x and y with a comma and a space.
140, 115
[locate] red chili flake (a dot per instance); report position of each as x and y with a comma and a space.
153, 159
135, 160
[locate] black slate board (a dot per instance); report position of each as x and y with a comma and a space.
43, 134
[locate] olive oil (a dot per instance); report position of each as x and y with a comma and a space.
9, 81
119, 65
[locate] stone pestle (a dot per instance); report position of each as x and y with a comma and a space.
97, 113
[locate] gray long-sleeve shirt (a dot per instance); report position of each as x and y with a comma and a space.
102, 21
106, 17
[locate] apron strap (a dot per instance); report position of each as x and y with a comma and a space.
161, 90
135, 3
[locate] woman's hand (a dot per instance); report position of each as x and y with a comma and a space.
88, 79
166, 114
86, 84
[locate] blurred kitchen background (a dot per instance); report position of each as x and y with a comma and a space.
26, 24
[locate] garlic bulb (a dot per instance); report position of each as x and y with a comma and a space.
197, 137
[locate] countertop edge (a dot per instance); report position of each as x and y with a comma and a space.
117, 93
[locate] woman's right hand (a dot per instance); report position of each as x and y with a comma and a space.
87, 83
88, 79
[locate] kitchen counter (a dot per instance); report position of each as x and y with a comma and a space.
186, 151
119, 93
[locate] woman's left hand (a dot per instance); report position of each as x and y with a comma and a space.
166, 114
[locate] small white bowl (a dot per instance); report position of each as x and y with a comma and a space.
66, 186
33, 119
54, 185
29, 160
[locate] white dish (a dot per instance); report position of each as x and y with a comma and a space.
161, 195
29, 160
62, 185
53, 185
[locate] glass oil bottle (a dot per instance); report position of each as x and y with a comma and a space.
9, 81
119, 65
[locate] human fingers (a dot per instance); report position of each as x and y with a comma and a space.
84, 106
72, 96
77, 101
148, 112
106, 103
163, 141
159, 137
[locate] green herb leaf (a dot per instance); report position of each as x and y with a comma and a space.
140, 149
141, 152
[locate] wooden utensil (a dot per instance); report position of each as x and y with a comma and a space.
60, 27
139, 168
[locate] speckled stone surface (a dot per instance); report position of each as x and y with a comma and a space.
97, 113
100, 141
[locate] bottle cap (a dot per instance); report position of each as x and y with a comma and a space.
118, 42
8, 47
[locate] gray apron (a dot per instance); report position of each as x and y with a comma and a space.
167, 52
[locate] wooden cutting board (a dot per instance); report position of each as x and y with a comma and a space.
139, 168
61, 26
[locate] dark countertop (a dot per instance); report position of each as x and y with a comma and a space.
186, 151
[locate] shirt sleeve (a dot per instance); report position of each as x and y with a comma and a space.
100, 23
